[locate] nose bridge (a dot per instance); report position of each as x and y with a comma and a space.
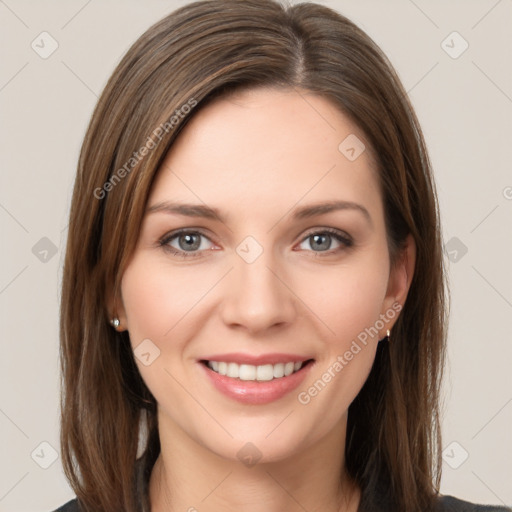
256, 297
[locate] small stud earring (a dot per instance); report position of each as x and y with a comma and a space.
115, 323
388, 332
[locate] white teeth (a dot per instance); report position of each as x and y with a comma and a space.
288, 369
264, 372
278, 370
245, 372
232, 370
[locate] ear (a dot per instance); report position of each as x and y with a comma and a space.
115, 309
400, 278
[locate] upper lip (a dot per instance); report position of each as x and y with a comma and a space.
254, 360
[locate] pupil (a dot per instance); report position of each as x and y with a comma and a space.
325, 245
189, 241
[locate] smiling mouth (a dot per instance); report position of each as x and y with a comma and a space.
261, 373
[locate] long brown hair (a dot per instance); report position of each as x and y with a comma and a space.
194, 55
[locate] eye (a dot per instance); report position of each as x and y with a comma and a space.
185, 243
321, 241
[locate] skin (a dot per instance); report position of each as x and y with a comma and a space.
257, 156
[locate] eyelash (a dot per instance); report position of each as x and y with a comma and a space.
344, 239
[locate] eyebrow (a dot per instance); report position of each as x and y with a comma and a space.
304, 212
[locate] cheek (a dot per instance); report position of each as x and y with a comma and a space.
156, 298
157, 301
347, 357
347, 299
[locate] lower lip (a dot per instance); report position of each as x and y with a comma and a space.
256, 392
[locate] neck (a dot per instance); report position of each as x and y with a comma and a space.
189, 477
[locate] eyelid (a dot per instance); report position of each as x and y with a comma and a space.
330, 231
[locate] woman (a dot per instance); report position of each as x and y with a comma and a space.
253, 305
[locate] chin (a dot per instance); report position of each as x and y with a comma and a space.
261, 440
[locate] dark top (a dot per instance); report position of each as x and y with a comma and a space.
446, 503
367, 503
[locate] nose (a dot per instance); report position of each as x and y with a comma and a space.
257, 296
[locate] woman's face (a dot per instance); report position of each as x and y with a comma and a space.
254, 275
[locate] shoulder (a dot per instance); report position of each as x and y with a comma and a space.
70, 506
452, 504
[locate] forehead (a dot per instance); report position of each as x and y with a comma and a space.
268, 147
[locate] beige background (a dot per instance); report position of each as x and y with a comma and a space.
465, 107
